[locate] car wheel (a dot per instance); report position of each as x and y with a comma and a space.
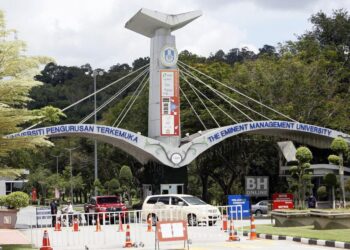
192, 220
212, 223
258, 213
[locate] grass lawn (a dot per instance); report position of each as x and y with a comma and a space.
306, 232
17, 247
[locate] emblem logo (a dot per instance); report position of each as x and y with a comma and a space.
168, 56
176, 158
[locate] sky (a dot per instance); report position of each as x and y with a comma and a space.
76, 32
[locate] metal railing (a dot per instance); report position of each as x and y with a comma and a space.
204, 224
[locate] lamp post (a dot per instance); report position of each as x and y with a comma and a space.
57, 188
94, 74
71, 171
56, 156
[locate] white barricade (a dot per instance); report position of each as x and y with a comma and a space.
204, 225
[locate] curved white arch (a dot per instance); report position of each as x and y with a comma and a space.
145, 149
142, 148
312, 135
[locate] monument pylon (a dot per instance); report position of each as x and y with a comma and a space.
164, 99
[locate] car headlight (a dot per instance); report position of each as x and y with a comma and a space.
213, 211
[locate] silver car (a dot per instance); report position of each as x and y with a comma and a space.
262, 207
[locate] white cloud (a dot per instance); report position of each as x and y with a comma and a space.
90, 31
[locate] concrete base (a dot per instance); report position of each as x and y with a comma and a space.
292, 218
330, 219
8, 218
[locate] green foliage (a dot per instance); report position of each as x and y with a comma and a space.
2, 200
301, 175
304, 155
50, 114
16, 80
339, 145
322, 192
112, 186
333, 159
17, 200
347, 185
330, 180
99, 186
125, 176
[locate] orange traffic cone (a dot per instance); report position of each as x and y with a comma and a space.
46, 242
58, 225
128, 242
253, 235
224, 223
149, 224
75, 225
98, 225
120, 224
232, 236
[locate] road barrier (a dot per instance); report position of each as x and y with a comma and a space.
202, 228
253, 234
128, 242
46, 242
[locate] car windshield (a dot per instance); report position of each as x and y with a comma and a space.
108, 200
194, 200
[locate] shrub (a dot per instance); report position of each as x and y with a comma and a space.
334, 159
17, 200
2, 200
322, 192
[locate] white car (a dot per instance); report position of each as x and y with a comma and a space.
179, 207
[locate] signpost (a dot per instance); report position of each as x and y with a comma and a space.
238, 204
43, 217
171, 231
282, 201
257, 186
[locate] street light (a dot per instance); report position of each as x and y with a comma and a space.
56, 188
71, 171
94, 74
56, 156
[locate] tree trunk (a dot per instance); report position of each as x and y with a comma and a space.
333, 198
204, 180
341, 177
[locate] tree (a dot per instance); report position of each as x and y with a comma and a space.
347, 185
16, 80
330, 180
341, 147
322, 192
126, 181
112, 186
99, 186
300, 174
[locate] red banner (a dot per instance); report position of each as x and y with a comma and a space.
34, 195
169, 103
282, 201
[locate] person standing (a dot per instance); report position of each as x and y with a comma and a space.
53, 206
311, 201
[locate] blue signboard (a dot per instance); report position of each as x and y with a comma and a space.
239, 205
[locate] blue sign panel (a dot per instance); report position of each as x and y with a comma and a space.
239, 206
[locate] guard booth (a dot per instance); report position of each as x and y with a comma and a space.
172, 188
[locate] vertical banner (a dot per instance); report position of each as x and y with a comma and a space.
34, 195
169, 103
